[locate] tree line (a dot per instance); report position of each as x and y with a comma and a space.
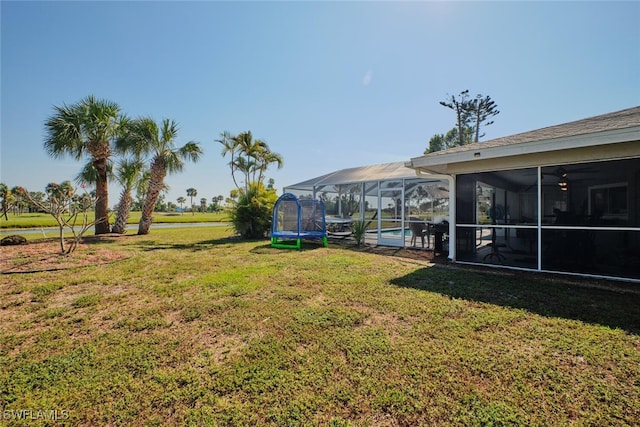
139, 153
204, 206
12, 200
136, 152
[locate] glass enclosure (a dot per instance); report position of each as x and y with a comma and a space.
578, 218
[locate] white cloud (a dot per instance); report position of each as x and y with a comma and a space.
368, 77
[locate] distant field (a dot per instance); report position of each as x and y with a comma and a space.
31, 220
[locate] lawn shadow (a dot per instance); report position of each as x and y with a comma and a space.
304, 246
103, 239
203, 245
607, 303
420, 256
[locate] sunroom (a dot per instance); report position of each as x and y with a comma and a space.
395, 204
560, 199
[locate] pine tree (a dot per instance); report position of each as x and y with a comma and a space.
482, 108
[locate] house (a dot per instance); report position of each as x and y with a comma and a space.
562, 199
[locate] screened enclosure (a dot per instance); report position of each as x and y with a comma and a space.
398, 208
574, 218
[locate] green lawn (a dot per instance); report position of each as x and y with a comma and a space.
197, 328
31, 220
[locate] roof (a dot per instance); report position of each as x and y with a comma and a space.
619, 126
397, 170
615, 127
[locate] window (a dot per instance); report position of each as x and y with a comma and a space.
609, 201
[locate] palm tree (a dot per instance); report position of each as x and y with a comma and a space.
181, 200
35, 199
229, 146
203, 204
265, 159
18, 200
251, 149
87, 128
128, 174
249, 157
60, 194
158, 141
5, 195
251, 215
192, 192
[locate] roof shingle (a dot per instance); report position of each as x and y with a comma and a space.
629, 117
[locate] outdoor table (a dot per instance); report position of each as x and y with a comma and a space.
338, 224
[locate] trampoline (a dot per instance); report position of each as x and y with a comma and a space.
297, 219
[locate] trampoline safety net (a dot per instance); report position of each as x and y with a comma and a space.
295, 220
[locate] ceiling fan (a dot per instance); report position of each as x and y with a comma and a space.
562, 176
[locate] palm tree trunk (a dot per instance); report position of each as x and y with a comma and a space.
124, 209
155, 186
102, 195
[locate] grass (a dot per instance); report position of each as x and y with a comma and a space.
198, 328
37, 220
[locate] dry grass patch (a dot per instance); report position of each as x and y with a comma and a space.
44, 255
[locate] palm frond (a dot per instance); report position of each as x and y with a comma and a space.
169, 132
64, 133
191, 151
129, 172
86, 127
228, 143
89, 174
171, 161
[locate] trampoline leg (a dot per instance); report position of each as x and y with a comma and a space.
325, 243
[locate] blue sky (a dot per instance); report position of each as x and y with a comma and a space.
328, 85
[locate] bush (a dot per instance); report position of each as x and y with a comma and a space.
251, 215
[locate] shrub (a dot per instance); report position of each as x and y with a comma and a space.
251, 215
359, 228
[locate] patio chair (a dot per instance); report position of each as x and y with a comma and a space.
419, 229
